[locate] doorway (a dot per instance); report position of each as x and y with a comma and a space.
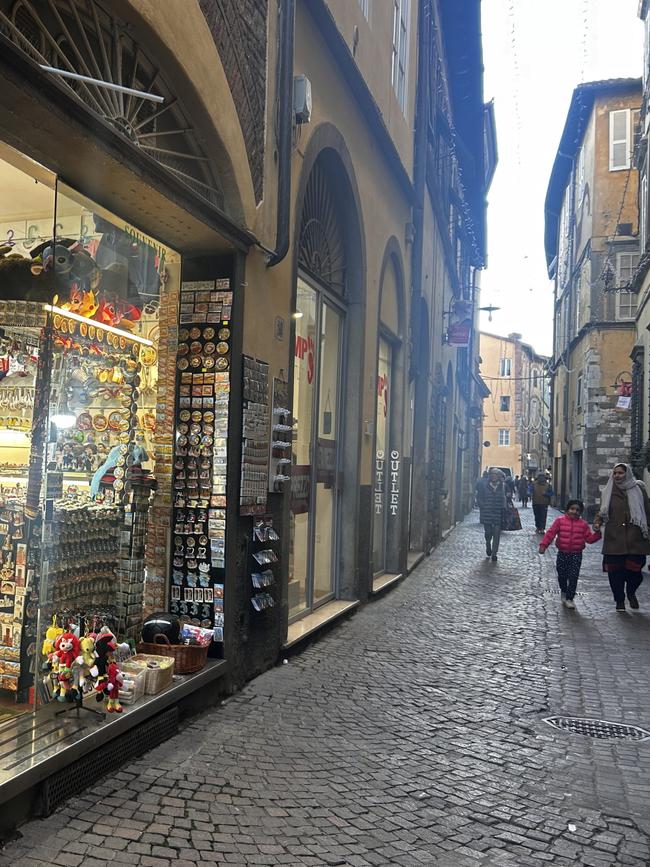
382, 455
318, 369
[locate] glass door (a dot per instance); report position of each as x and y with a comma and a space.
325, 513
382, 455
315, 458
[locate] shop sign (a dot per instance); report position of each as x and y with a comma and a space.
382, 392
379, 482
300, 475
459, 334
304, 349
393, 503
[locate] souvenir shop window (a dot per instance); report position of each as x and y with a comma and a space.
26, 218
101, 446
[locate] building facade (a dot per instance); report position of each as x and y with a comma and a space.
515, 432
592, 251
640, 284
242, 279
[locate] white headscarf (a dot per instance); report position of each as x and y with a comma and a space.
634, 492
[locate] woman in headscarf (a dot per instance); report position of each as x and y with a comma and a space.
491, 497
625, 512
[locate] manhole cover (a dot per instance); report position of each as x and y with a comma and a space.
597, 728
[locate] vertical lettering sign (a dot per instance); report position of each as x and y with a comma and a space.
379, 482
394, 482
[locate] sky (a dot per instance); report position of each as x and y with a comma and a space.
535, 52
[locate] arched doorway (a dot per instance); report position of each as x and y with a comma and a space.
389, 419
322, 390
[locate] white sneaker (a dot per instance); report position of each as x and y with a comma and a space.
569, 603
563, 596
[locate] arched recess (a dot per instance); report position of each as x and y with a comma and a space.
391, 477
113, 42
327, 377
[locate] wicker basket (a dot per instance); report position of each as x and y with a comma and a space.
156, 678
188, 658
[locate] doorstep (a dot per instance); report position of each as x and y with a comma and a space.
320, 618
382, 582
413, 559
35, 746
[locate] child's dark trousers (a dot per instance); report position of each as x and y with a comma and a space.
568, 570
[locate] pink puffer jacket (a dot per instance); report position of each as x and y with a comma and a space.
572, 535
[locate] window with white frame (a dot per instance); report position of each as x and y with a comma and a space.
625, 267
626, 304
400, 49
579, 391
643, 209
365, 7
504, 436
505, 366
505, 403
620, 140
580, 175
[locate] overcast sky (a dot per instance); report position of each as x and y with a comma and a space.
535, 53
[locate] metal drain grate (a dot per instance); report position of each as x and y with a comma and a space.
85, 771
597, 728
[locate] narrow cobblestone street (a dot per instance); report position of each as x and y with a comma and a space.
411, 734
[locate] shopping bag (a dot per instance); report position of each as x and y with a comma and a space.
510, 519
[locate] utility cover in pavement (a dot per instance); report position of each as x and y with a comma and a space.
597, 728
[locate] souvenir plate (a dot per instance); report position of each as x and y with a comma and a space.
224, 333
222, 348
100, 422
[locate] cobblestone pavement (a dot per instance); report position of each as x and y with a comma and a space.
410, 735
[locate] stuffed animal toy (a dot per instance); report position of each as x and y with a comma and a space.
22, 279
47, 649
89, 654
67, 653
105, 646
112, 691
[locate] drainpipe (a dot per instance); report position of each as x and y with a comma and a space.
420, 176
287, 9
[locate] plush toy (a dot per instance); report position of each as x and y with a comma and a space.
89, 654
112, 691
67, 654
22, 279
51, 635
105, 646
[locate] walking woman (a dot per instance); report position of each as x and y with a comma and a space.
542, 493
492, 502
625, 511
523, 491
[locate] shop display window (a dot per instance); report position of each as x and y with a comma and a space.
84, 439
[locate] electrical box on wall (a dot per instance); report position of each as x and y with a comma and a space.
302, 99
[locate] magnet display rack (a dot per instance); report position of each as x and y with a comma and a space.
255, 437
264, 563
201, 453
281, 438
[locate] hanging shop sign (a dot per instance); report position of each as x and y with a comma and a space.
459, 333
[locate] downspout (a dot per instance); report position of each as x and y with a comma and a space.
419, 178
287, 10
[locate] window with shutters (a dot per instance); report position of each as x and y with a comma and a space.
626, 302
620, 149
400, 49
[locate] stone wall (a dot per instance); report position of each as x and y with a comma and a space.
239, 30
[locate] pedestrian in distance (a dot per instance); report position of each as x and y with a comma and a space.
625, 512
492, 502
542, 493
571, 534
510, 486
523, 491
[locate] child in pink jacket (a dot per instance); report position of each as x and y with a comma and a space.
572, 535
